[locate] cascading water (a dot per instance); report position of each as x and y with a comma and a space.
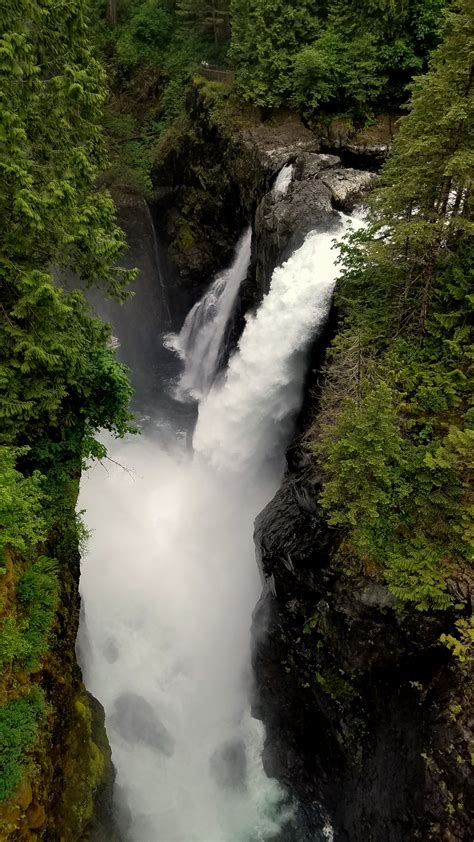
171, 579
200, 342
283, 180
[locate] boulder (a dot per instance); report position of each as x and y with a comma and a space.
228, 765
136, 721
348, 187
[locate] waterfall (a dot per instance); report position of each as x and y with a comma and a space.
283, 180
244, 422
200, 342
158, 261
170, 581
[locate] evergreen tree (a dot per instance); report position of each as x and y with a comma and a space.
205, 17
59, 382
348, 55
266, 35
52, 354
395, 435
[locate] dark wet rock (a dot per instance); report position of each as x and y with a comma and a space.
136, 722
348, 187
310, 165
283, 221
206, 182
279, 140
228, 765
364, 147
319, 188
354, 691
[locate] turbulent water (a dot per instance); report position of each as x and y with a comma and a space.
170, 580
200, 342
283, 180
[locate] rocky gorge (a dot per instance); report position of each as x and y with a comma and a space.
367, 717
367, 720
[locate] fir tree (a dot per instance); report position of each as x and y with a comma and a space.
395, 435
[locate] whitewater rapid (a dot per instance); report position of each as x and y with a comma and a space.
170, 579
201, 340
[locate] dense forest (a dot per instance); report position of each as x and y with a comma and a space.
88, 92
396, 432
320, 59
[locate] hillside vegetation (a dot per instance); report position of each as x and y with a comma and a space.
395, 435
59, 382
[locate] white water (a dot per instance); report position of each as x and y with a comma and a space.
283, 180
171, 580
201, 338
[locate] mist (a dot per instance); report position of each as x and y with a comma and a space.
170, 579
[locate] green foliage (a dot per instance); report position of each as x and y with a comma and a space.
461, 643
38, 597
365, 463
59, 380
146, 35
345, 56
338, 73
51, 98
24, 638
20, 720
22, 522
395, 434
266, 35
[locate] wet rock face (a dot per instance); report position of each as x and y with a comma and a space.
320, 187
206, 184
347, 186
354, 692
136, 721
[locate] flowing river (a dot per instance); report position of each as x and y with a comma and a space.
170, 579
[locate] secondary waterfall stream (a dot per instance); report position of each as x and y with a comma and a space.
170, 579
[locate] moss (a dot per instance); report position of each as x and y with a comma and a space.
337, 687
84, 769
54, 752
185, 240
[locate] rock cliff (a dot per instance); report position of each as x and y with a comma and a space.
366, 714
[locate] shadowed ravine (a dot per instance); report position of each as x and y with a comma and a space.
170, 580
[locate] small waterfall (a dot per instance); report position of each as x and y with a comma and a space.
170, 581
201, 340
159, 267
283, 180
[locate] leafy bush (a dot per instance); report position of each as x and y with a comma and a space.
20, 720
145, 36
22, 522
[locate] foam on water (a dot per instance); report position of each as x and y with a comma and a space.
201, 339
170, 580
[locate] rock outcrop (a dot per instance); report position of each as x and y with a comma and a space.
365, 713
319, 187
367, 717
137, 722
207, 180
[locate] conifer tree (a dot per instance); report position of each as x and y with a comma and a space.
407, 309
205, 17
266, 35
52, 90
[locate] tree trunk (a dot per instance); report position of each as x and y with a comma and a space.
426, 296
112, 12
